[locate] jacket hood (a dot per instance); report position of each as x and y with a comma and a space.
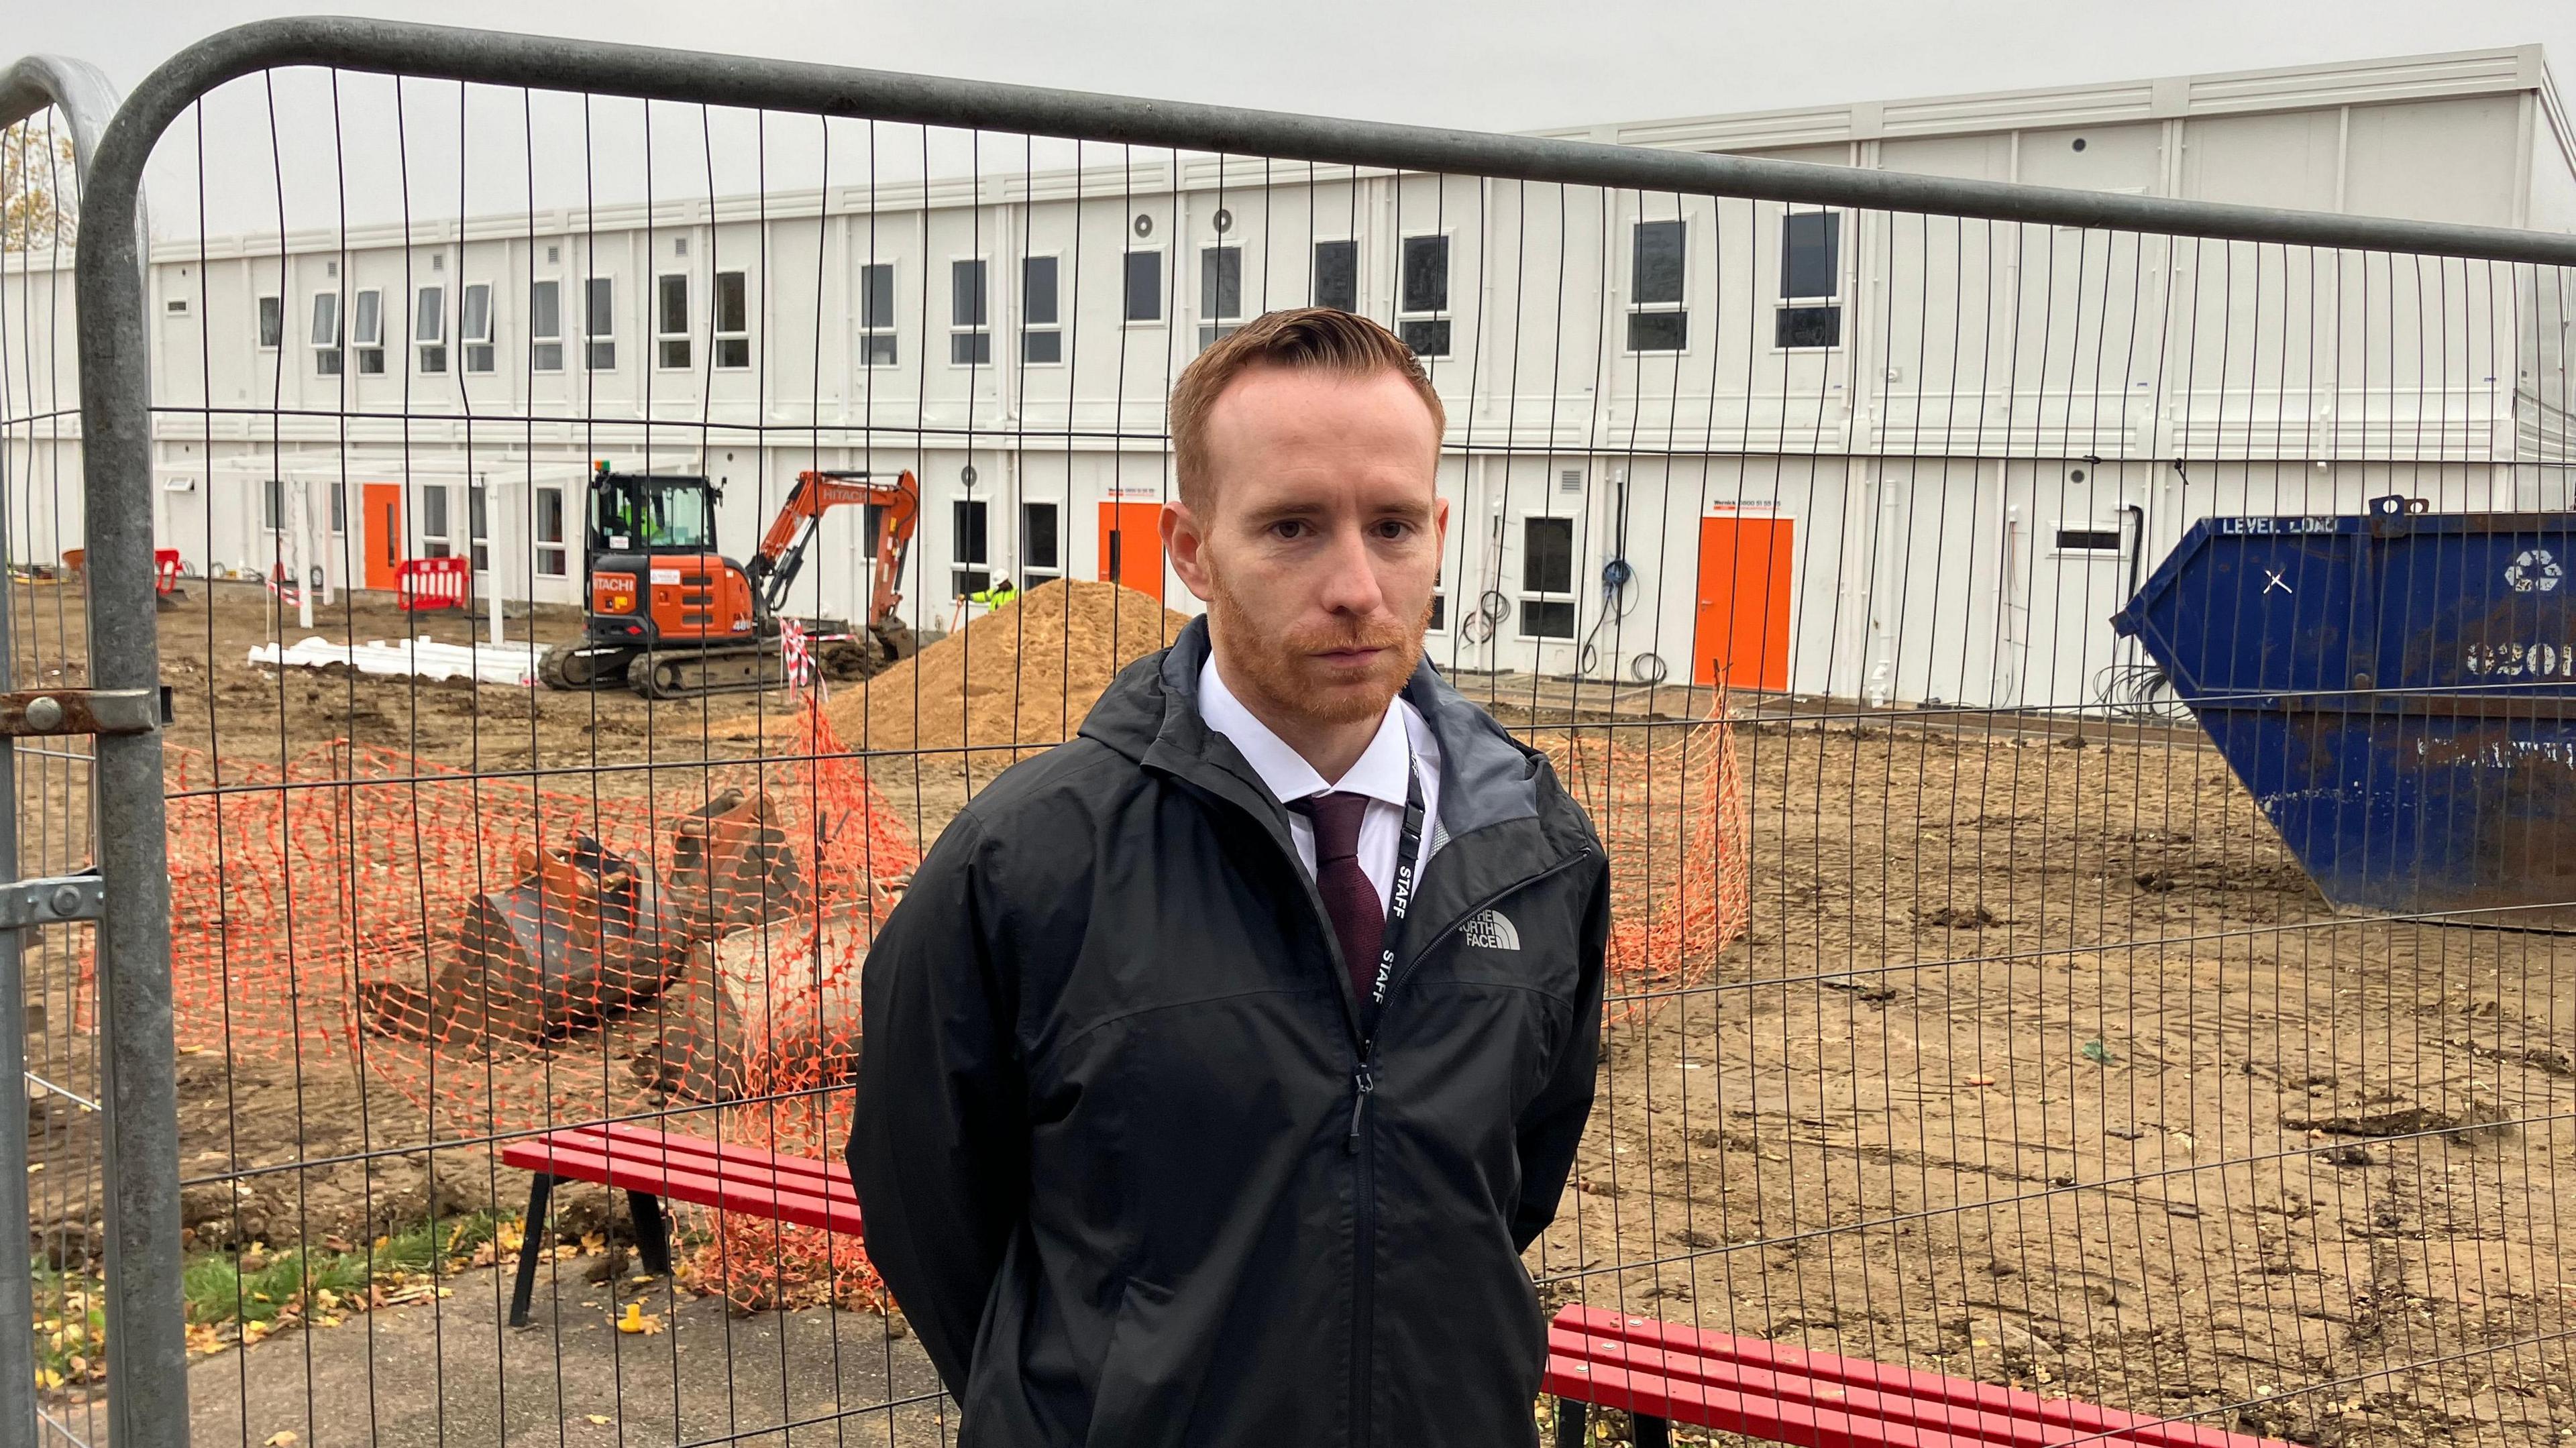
1150, 714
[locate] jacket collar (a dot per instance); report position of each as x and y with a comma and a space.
1151, 715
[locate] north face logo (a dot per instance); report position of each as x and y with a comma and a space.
1492, 930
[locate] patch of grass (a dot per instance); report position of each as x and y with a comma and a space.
224, 1300
70, 1329
220, 1289
414, 1248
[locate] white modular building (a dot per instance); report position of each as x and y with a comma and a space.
1893, 457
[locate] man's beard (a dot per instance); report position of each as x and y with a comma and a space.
1277, 666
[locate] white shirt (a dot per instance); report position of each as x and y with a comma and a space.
1379, 774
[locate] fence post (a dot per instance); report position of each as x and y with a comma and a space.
138, 1092
27, 88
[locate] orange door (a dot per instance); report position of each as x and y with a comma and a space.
1741, 638
1131, 545
384, 544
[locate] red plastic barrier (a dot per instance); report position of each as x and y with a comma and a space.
165, 569
421, 584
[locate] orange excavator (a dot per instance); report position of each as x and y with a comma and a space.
672, 618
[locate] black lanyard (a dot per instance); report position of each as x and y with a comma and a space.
1408, 865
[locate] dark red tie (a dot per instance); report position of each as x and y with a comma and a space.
1359, 919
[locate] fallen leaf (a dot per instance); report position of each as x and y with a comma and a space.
1976, 1080
601, 1419
281, 1439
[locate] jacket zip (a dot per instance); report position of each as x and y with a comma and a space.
1363, 1146
1357, 1143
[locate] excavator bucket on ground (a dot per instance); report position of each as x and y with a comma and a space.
731, 866
770, 1003
586, 934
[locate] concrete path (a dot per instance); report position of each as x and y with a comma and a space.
450, 1375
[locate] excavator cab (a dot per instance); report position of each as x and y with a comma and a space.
650, 513
671, 617
655, 579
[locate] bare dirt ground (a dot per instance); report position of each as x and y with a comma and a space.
2040, 1063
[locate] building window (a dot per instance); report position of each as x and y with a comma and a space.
545, 326
367, 331
478, 525
326, 334
1657, 321
550, 532
671, 321
1337, 275
2086, 539
474, 329
1040, 556
272, 322
1810, 281
1144, 286
876, 314
272, 505
968, 343
971, 575
429, 329
339, 508
1040, 340
433, 523
1220, 293
599, 324
1547, 578
733, 321
1423, 295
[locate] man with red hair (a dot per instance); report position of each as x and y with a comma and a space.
1222, 1062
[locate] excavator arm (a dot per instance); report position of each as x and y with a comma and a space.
782, 552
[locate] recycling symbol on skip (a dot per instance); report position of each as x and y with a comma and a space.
2533, 571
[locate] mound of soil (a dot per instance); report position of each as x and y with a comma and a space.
1025, 674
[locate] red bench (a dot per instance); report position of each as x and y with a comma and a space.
650, 1166
1664, 1373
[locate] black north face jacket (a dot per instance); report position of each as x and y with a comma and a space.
1128, 1160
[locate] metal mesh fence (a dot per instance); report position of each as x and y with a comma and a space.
1997, 991
53, 1335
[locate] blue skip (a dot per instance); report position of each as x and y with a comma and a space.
2398, 692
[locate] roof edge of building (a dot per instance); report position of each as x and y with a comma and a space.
2494, 70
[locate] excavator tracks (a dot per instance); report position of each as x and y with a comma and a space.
695, 673
583, 666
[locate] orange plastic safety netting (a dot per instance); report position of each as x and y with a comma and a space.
508, 955
503, 954
1667, 799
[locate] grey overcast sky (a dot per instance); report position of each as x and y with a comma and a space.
1488, 64
1497, 64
